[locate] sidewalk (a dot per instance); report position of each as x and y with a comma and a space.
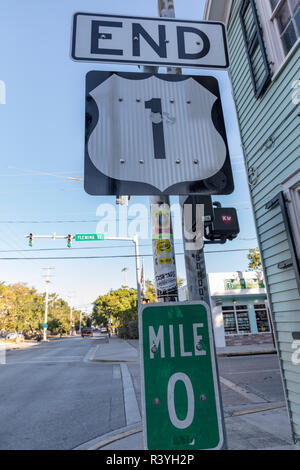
232, 350
7, 346
246, 350
253, 426
115, 350
268, 430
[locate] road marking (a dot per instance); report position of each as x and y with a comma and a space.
116, 372
250, 396
258, 410
91, 353
132, 412
254, 371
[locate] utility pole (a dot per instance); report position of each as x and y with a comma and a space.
166, 291
124, 270
46, 301
71, 320
194, 259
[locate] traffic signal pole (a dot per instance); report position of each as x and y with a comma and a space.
134, 239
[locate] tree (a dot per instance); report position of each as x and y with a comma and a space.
119, 305
22, 309
150, 291
254, 260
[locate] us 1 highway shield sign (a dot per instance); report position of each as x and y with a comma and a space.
155, 134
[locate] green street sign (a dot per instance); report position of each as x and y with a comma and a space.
180, 393
88, 236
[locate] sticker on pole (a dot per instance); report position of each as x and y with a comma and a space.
180, 394
149, 134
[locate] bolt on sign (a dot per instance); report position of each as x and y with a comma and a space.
180, 395
151, 41
150, 134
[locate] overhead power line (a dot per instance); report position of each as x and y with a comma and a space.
107, 256
113, 247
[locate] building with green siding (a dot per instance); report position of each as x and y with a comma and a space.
264, 40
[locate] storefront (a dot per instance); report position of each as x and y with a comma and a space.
239, 308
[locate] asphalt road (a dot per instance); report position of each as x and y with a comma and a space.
53, 397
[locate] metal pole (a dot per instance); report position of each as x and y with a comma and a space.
46, 302
161, 271
46, 312
71, 321
137, 265
197, 282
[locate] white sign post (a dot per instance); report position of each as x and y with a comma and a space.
149, 41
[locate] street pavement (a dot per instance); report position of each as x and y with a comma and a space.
252, 395
53, 397
85, 394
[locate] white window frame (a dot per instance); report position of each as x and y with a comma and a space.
272, 36
267, 313
235, 311
291, 188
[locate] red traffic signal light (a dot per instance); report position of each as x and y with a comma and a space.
69, 241
30, 239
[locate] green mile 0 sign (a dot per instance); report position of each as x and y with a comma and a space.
180, 395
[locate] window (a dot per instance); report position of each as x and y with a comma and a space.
236, 319
280, 20
286, 13
262, 320
256, 53
291, 188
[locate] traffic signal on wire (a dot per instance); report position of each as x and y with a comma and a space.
69, 241
30, 239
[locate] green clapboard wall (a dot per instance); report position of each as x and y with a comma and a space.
272, 114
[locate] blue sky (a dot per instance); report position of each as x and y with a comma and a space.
42, 131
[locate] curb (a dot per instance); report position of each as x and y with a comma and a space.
113, 361
106, 439
246, 353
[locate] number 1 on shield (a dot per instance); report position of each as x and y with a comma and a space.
157, 128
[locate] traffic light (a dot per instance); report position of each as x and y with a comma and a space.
30, 239
69, 241
145, 301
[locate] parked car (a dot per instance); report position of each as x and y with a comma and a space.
103, 329
86, 331
14, 335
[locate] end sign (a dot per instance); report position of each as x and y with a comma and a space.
152, 41
181, 402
